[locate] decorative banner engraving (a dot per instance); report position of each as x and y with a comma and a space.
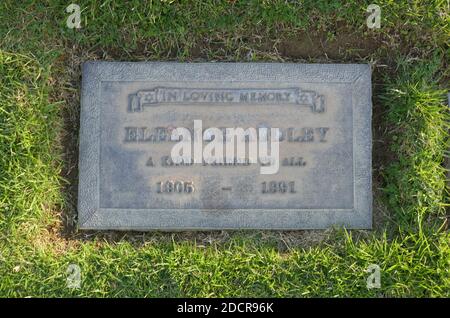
247, 96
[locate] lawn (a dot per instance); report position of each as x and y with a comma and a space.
41, 249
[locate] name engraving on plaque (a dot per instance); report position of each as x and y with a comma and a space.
135, 134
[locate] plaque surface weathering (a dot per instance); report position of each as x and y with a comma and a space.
128, 180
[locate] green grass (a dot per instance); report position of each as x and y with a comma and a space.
39, 87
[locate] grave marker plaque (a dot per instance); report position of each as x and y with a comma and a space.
129, 181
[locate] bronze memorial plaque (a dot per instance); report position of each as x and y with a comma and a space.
176, 146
